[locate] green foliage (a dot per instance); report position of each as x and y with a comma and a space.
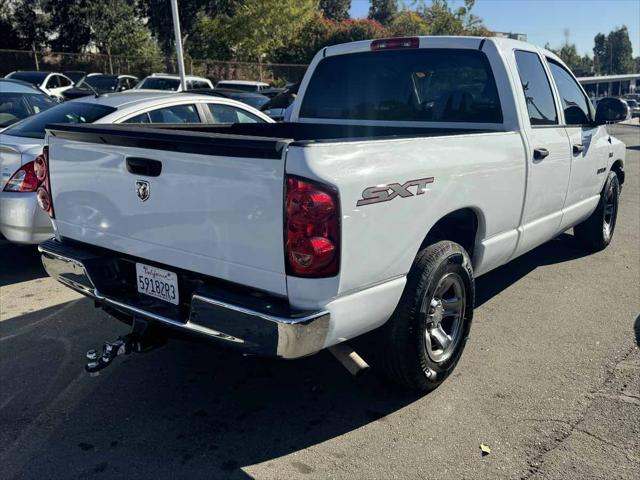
445, 21
408, 23
69, 26
613, 52
568, 53
337, 10
315, 35
357, 29
31, 24
383, 11
257, 29
10, 37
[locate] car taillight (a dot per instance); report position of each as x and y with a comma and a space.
23, 180
42, 172
312, 226
391, 43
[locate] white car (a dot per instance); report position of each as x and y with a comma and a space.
244, 85
21, 143
52, 83
167, 82
410, 166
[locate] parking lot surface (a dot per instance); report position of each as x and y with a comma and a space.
549, 381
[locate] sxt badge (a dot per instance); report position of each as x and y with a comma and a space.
384, 193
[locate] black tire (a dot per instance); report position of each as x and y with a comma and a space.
406, 351
596, 232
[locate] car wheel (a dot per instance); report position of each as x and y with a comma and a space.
596, 231
423, 340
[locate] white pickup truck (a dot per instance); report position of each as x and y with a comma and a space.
410, 166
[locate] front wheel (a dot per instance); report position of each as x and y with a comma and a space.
596, 231
422, 342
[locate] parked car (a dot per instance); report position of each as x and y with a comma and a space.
410, 167
634, 106
162, 81
52, 83
20, 100
75, 75
277, 107
20, 219
98, 83
244, 85
256, 100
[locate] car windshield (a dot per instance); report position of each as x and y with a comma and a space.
71, 112
632, 103
34, 78
15, 106
419, 85
159, 83
99, 82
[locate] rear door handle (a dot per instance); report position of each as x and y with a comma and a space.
540, 153
578, 148
144, 166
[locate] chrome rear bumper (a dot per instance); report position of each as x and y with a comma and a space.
262, 327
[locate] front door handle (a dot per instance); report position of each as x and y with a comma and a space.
578, 148
540, 153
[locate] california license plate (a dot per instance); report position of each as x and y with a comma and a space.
157, 283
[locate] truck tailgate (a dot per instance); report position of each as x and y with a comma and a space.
214, 207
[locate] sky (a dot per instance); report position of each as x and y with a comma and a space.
547, 20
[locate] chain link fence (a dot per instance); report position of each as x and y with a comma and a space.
274, 73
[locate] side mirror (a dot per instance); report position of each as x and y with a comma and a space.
612, 110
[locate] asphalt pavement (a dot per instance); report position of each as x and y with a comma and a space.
549, 381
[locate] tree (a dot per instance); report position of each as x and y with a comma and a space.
408, 23
337, 10
383, 11
158, 13
31, 26
69, 24
116, 29
357, 29
444, 21
314, 36
613, 53
10, 37
568, 53
257, 29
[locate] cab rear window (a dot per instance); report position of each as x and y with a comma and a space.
422, 85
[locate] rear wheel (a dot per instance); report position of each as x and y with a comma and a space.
422, 342
596, 231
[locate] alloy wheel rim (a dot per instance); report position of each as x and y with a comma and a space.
609, 217
444, 318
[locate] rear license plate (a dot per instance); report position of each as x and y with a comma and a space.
157, 283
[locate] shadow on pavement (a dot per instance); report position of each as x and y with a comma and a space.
561, 249
187, 410
636, 329
19, 263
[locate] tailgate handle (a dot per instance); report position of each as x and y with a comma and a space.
144, 166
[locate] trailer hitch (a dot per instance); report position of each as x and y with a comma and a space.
142, 338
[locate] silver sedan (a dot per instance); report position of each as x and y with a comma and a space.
21, 220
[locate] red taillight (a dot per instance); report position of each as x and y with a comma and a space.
24, 180
42, 172
391, 43
312, 229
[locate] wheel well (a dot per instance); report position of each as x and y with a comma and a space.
617, 167
460, 226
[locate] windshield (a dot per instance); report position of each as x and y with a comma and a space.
34, 78
419, 85
99, 82
72, 112
632, 103
159, 83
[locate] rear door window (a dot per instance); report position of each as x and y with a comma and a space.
173, 114
228, 114
421, 85
536, 89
